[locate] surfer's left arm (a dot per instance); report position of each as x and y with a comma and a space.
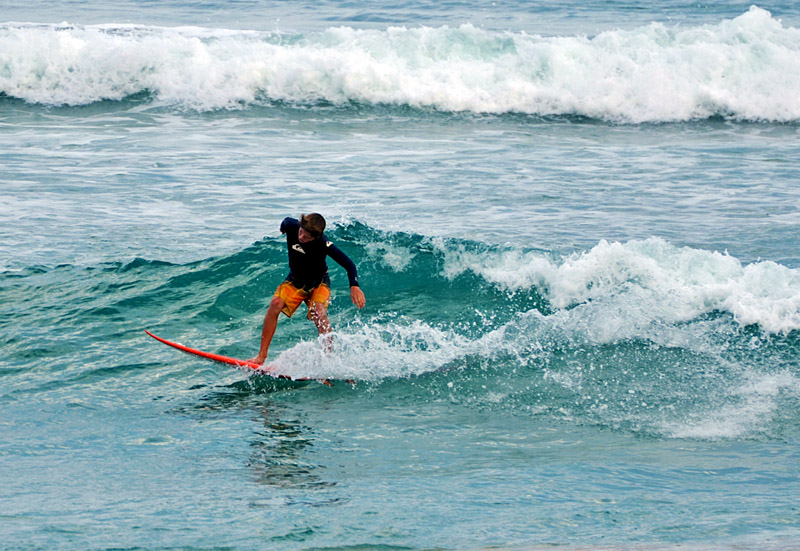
356, 294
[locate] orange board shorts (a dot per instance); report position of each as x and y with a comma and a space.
293, 297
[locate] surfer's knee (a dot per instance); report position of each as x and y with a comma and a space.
275, 306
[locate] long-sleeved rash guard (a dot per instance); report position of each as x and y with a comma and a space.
307, 266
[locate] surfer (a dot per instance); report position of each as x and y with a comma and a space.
308, 279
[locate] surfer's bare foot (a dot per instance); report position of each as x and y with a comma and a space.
258, 360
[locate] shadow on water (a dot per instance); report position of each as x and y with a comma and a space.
280, 451
280, 442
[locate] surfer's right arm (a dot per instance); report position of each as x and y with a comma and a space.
288, 223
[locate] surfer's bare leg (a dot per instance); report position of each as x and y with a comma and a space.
319, 315
268, 331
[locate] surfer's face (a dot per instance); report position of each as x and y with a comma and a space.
303, 236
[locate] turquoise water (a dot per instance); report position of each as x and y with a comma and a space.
576, 227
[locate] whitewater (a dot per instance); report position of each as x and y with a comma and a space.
744, 69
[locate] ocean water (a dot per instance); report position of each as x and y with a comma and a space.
576, 225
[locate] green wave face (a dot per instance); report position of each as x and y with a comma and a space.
613, 336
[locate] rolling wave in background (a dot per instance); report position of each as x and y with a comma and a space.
746, 68
642, 336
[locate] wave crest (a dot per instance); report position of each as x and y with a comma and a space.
650, 280
747, 68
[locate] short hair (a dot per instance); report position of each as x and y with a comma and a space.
313, 223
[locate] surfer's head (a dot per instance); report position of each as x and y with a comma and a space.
313, 224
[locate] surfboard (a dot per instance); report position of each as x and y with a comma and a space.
265, 369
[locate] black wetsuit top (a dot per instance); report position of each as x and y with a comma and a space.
307, 266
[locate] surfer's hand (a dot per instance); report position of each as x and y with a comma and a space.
357, 296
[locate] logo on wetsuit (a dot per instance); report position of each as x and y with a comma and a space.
299, 248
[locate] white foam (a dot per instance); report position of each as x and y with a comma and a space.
745, 68
629, 286
388, 348
376, 351
750, 410
392, 256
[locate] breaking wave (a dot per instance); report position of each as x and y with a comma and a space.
747, 68
642, 336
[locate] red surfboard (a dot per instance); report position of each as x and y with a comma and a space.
261, 369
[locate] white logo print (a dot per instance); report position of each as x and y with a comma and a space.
298, 248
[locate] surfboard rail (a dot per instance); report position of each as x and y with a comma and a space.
266, 369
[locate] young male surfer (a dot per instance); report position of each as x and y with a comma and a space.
308, 279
